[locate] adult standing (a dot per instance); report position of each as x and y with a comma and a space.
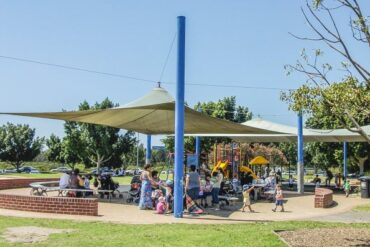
192, 183
146, 188
219, 176
329, 177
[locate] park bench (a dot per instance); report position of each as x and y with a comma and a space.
228, 200
41, 188
84, 192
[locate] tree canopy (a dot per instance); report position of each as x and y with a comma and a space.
18, 144
225, 108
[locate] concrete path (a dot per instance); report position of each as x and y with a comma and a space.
297, 208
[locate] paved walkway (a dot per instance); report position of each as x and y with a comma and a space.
297, 208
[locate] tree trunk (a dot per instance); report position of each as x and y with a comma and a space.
361, 164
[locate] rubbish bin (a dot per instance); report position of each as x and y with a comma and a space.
365, 187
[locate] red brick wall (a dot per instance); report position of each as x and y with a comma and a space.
323, 198
56, 205
21, 182
43, 204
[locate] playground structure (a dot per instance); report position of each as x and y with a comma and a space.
233, 162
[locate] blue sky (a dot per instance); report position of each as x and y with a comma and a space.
228, 42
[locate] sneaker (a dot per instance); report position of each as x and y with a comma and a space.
273, 210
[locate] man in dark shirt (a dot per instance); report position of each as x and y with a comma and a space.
329, 177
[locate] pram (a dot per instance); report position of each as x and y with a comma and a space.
134, 192
107, 183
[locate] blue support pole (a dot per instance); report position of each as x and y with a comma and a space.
300, 166
148, 156
345, 154
197, 150
179, 119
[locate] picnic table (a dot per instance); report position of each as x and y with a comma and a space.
42, 189
257, 189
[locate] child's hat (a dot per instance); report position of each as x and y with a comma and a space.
245, 186
161, 199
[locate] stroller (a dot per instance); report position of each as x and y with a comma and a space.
134, 192
107, 183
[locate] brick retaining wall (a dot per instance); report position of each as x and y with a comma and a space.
56, 205
43, 204
323, 198
15, 183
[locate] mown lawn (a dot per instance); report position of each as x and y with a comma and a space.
363, 208
121, 180
108, 234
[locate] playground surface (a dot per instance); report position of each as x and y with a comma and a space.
298, 207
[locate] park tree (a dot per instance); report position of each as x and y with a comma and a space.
18, 144
104, 145
225, 108
345, 94
54, 144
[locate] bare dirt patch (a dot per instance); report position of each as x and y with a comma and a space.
30, 234
327, 237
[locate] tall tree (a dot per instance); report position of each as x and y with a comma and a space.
18, 144
104, 145
54, 144
225, 108
347, 100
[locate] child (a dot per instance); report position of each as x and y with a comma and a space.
161, 205
347, 187
279, 198
169, 195
235, 183
246, 199
291, 180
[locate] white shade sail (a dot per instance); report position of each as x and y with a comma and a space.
152, 114
290, 133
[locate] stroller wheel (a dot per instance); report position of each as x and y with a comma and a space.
129, 200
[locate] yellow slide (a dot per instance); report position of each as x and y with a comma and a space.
247, 169
222, 165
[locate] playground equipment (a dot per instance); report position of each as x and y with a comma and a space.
246, 169
259, 160
221, 165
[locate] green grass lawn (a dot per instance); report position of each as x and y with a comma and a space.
120, 180
364, 208
32, 175
108, 234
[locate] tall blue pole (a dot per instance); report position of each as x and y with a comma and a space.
300, 169
197, 150
345, 159
148, 156
179, 119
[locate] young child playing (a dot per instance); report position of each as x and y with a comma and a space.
235, 183
279, 198
169, 195
347, 187
246, 198
161, 205
291, 180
